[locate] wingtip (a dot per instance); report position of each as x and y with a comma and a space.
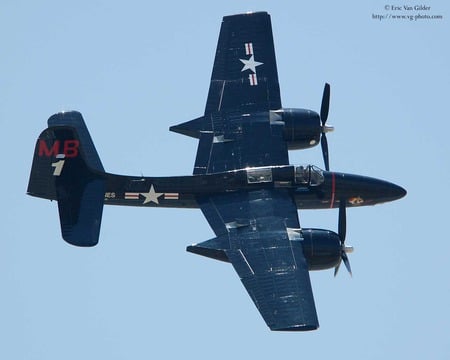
303, 327
248, 13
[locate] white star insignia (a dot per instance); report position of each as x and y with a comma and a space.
250, 64
151, 196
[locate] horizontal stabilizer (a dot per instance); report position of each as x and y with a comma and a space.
81, 214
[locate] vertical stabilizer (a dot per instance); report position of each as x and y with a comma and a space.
67, 168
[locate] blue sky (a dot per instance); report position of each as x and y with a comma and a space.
134, 70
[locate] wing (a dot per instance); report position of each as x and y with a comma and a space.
253, 231
236, 131
244, 76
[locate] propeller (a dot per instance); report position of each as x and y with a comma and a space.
342, 229
323, 119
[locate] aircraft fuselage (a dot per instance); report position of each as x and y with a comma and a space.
312, 187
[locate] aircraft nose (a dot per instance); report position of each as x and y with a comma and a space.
388, 190
398, 192
366, 190
383, 191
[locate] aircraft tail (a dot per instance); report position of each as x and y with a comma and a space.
67, 168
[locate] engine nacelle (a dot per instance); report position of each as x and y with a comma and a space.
322, 248
302, 127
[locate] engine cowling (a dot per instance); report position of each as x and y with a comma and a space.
322, 248
302, 127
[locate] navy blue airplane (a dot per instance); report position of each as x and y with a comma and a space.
242, 182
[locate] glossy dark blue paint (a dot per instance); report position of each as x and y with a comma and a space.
243, 182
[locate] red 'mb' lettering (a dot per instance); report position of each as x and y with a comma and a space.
45, 151
71, 148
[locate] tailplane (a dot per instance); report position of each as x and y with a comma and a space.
67, 168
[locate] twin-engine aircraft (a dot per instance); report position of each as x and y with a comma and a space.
242, 180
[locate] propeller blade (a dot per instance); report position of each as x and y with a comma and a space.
325, 104
323, 118
324, 144
342, 229
336, 269
347, 262
344, 258
342, 222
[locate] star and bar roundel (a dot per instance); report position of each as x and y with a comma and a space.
152, 196
250, 64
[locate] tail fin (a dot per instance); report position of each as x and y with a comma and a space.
67, 168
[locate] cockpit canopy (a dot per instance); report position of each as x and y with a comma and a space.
309, 175
259, 175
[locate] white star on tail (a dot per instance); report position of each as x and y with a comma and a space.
250, 64
151, 196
